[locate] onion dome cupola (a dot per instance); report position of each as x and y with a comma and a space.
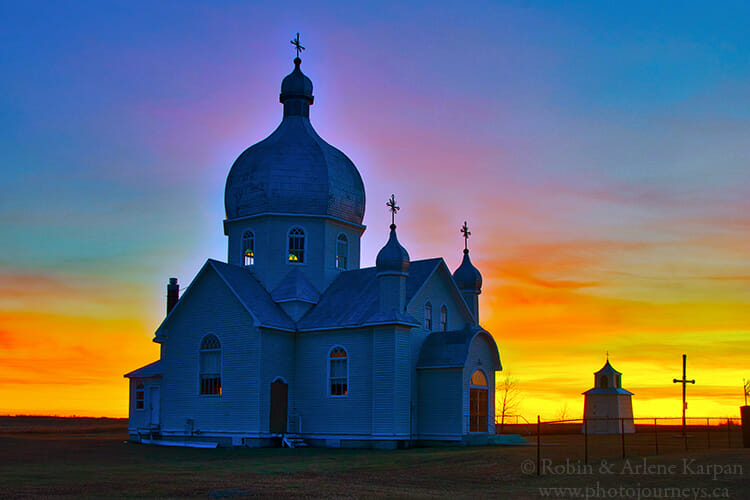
393, 259
294, 171
392, 269
468, 278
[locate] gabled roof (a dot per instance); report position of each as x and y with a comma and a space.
248, 290
421, 281
151, 370
451, 349
295, 286
252, 295
352, 299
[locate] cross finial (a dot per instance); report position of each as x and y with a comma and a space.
465, 231
297, 46
391, 204
607, 355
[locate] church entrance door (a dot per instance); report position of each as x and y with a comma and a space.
279, 402
477, 410
154, 402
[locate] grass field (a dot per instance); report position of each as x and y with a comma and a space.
74, 458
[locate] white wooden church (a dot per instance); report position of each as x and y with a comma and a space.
292, 341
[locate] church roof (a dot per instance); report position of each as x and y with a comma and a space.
352, 299
450, 349
253, 296
294, 171
295, 286
151, 370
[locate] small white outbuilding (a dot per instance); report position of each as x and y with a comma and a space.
608, 408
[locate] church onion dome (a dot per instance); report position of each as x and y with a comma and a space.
294, 171
393, 259
467, 277
296, 85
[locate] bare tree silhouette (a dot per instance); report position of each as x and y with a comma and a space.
507, 398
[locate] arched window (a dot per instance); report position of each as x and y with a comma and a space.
428, 316
140, 396
297, 245
338, 372
478, 407
617, 381
210, 365
603, 382
342, 251
248, 248
443, 318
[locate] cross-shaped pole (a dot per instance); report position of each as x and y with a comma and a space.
465, 231
391, 204
684, 383
296, 44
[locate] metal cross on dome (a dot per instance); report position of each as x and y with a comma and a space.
465, 231
391, 204
296, 44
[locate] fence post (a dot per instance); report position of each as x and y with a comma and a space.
708, 432
622, 434
585, 441
656, 436
538, 445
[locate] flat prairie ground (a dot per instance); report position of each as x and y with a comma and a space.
89, 458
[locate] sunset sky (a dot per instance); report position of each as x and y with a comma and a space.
599, 151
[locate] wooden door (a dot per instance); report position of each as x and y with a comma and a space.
279, 402
478, 409
154, 403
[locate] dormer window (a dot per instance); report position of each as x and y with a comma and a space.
342, 251
296, 245
248, 248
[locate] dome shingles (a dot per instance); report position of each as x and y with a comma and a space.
294, 171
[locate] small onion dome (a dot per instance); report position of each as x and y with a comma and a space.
393, 259
468, 277
296, 85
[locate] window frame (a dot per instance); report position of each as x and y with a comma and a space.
428, 323
329, 360
140, 388
202, 350
346, 252
289, 249
242, 246
443, 321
